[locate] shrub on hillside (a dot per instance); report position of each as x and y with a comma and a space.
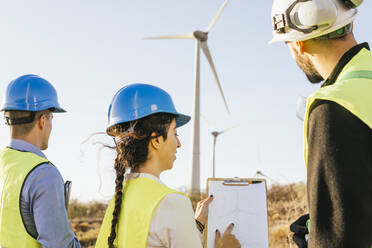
81, 210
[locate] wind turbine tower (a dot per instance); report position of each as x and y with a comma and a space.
215, 136
200, 38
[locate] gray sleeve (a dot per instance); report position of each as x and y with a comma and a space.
43, 190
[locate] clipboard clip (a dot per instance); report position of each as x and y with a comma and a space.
240, 182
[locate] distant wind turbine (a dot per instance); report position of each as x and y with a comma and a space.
200, 38
215, 135
259, 172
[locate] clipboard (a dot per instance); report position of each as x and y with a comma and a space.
242, 201
67, 189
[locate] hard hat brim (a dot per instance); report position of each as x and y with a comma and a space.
17, 108
59, 110
182, 120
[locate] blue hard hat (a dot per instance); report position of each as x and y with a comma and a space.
136, 101
30, 93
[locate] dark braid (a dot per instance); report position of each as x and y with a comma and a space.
120, 171
132, 152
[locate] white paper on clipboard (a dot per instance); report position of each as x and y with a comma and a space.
245, 206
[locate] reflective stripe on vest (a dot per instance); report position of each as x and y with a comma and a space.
14, 168
141, 196
352, 90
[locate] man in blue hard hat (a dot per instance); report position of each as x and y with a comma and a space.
32, 202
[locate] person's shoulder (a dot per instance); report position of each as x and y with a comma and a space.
177, 196
175, 200
331, 121
321, 105
45, 172
329, 111
43, 179
46, 169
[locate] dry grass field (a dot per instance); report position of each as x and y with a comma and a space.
285, 204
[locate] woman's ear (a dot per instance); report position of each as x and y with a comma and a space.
155, 142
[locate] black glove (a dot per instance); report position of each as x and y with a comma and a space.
300, 230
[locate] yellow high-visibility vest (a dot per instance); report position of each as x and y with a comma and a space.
14, 168
352, 90
141, 196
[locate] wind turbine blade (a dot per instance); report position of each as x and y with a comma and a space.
213, 22
260, 173
188, 36
228, 129
207, 53
208, 123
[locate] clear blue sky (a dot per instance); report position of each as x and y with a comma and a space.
90, 49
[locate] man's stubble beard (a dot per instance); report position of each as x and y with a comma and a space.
308, 68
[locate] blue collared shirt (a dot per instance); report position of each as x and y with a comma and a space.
43, 203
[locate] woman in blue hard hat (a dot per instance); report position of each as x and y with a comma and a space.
32, 202
144, 212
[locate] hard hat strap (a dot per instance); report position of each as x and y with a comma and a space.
21, 120
130, 133
126, 134
281, 21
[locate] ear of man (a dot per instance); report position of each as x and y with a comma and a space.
311, 47
22, 130
300, 47
41, 121
323, 46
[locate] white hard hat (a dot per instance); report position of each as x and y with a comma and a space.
298, 20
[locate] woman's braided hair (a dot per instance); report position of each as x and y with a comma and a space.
132, 152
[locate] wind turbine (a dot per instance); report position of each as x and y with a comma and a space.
200, 38
259, 172
215, 135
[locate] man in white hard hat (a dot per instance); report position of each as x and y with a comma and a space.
337, 123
